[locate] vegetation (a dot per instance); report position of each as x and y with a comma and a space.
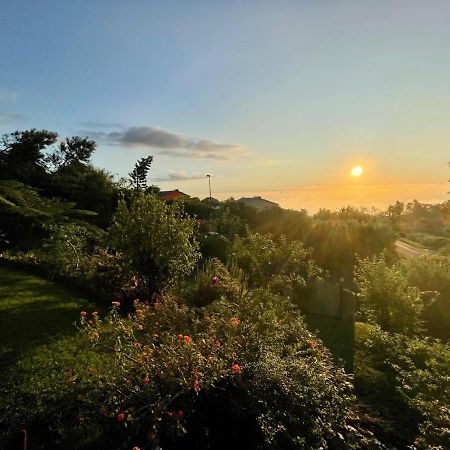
206, 345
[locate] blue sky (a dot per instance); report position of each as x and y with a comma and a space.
269, 97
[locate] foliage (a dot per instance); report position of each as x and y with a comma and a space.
156, 241
75, 149
285, 267
252, 358
22, 156
386, 296
138, 176
214, 245
26, 216
90, 188
419, 373
212, 282
432, 275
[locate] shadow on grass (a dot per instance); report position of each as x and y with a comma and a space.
33, 312
338, 336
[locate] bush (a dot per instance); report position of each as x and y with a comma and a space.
420, 373
156, 241
386, 296
432, 275
243, 373
286, 268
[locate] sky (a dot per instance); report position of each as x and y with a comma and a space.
273, 98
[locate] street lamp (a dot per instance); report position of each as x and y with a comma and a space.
209, 183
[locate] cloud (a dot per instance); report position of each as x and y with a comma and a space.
96, 124
169, 143
7, 118
7, 95
181, 176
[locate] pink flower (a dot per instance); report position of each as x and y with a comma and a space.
83, 313
218, 343
236, 368
215, 281
90, 322
180, 413
116, 303
95, 313
187, 339
121, 416
180, 336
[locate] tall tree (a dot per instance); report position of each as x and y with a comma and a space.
74, 149
22, 155
138, 176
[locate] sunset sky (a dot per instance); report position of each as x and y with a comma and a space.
277, 98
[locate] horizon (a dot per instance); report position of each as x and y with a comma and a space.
279, 100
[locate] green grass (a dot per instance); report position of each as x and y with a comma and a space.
337, 335
34, 312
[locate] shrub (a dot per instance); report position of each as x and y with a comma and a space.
420, 373
243, 373
156, 241
432, 275
287, 268
386, 296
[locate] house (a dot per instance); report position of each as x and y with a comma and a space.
258, 203
172, 195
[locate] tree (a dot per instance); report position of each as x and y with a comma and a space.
22, 157
72, 149
138, 176
156, 241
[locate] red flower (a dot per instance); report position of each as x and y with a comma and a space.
187, 339
196, 386
146, 380
136, 448
215, 281
180, 336
83, 313
234, 321
95, 313
116, 303
121, 416
180, 413
236, 368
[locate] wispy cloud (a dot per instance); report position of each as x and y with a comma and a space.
7, 118
94, 124
181, 175
169, 143
7, 95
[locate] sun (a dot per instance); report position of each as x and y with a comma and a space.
357, 171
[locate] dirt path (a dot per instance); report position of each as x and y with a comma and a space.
408, 251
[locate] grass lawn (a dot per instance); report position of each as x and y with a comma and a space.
337, 335
34, 312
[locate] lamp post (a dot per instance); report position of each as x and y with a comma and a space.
209, 183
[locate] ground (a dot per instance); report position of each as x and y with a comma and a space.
34, 312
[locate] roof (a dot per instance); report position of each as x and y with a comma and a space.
172, 195
258, 202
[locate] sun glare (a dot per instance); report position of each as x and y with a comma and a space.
357, 171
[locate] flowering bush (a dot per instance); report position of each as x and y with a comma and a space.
180, 372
